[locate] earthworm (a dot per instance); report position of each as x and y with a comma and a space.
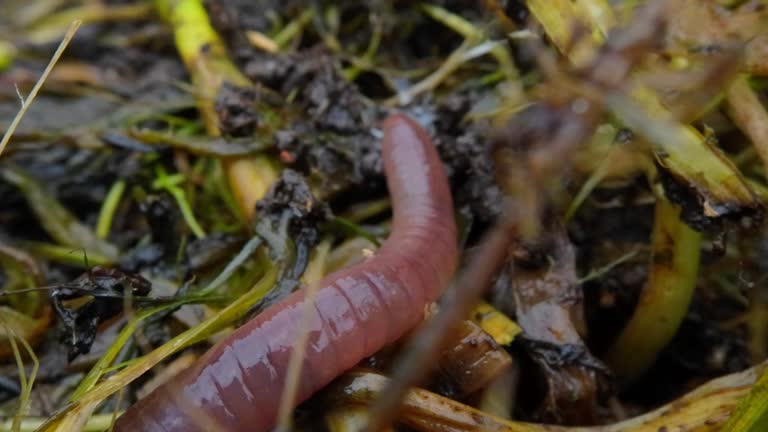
238, 383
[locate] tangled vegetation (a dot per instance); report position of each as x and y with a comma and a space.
171, 168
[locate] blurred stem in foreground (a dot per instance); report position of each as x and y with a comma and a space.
559, 16
680, 149
666, 296
205, 56
749, 114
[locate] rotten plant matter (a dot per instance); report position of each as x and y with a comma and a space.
549, 308
91, 299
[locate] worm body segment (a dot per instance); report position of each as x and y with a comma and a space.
237, 384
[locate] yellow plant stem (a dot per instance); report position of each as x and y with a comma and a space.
666, 296
704, 409
206, 58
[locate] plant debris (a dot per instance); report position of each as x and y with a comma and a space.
186, 164
95, 296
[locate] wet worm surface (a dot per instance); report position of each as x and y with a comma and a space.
237, 384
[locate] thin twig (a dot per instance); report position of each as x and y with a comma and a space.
750, 115
28, 101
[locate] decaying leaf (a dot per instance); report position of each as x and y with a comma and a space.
549, 309
92, 298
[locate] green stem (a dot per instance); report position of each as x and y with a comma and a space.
217, 322
664, 302
108, 209
751, 414
465, 28
186, 212
67, 255
293, 28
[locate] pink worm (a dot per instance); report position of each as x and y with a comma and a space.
238, 383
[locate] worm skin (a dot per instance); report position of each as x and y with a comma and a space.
237, 384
